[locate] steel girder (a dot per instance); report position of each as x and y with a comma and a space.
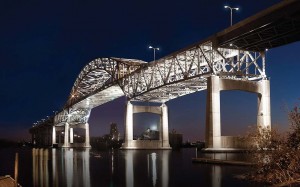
168, 78
72, 116
95, 85
179, 74
186, 72
98, 74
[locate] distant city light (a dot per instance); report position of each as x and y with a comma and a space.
153, 127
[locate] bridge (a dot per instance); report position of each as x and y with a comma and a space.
233, 59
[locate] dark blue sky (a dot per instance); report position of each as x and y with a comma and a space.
45, 44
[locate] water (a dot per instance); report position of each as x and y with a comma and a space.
84, 167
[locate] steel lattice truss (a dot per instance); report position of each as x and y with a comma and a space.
100, 74
72, 116
95, 85
186, 72
106, 79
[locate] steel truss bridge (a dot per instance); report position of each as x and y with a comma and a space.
236, 56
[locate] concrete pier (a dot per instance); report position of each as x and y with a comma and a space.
215, 84
162, 143
66, 134
87, 136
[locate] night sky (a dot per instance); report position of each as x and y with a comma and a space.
45, 44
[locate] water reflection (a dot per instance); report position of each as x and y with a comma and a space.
154, 175
65, 167
40, 167
216, 176
82, 168
129, 168
155, 163
165, 167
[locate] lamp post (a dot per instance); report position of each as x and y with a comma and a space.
231, 13
154, 48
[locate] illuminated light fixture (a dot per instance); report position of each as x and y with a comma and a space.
231, 12
233, 45
154, 48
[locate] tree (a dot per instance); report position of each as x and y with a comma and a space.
277, 157
293, 140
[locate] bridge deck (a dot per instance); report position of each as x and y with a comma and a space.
273, 27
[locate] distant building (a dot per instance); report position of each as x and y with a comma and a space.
114, 133
175, 139
149, 135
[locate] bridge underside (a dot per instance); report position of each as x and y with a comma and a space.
106, 95
173, 91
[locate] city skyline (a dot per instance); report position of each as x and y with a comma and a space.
44, 52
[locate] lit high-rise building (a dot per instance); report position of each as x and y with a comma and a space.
114, 133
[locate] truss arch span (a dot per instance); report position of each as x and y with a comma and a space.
99, 73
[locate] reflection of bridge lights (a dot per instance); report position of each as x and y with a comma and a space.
154, 172
233, 45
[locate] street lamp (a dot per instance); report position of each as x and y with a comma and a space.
231, 13
154, 48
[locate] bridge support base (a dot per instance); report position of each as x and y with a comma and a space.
162, 143
53, 135
87, 136
66, 133
213, 138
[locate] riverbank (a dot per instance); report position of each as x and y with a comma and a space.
222, 162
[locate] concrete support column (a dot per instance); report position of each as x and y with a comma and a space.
71, 135
165, 126
129, 125
213, 117
59, 138
160, 134
53, 135
66, 139
264, 105
87, 136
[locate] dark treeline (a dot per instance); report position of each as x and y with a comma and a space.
7, 143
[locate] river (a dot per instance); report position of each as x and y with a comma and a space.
85, 168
